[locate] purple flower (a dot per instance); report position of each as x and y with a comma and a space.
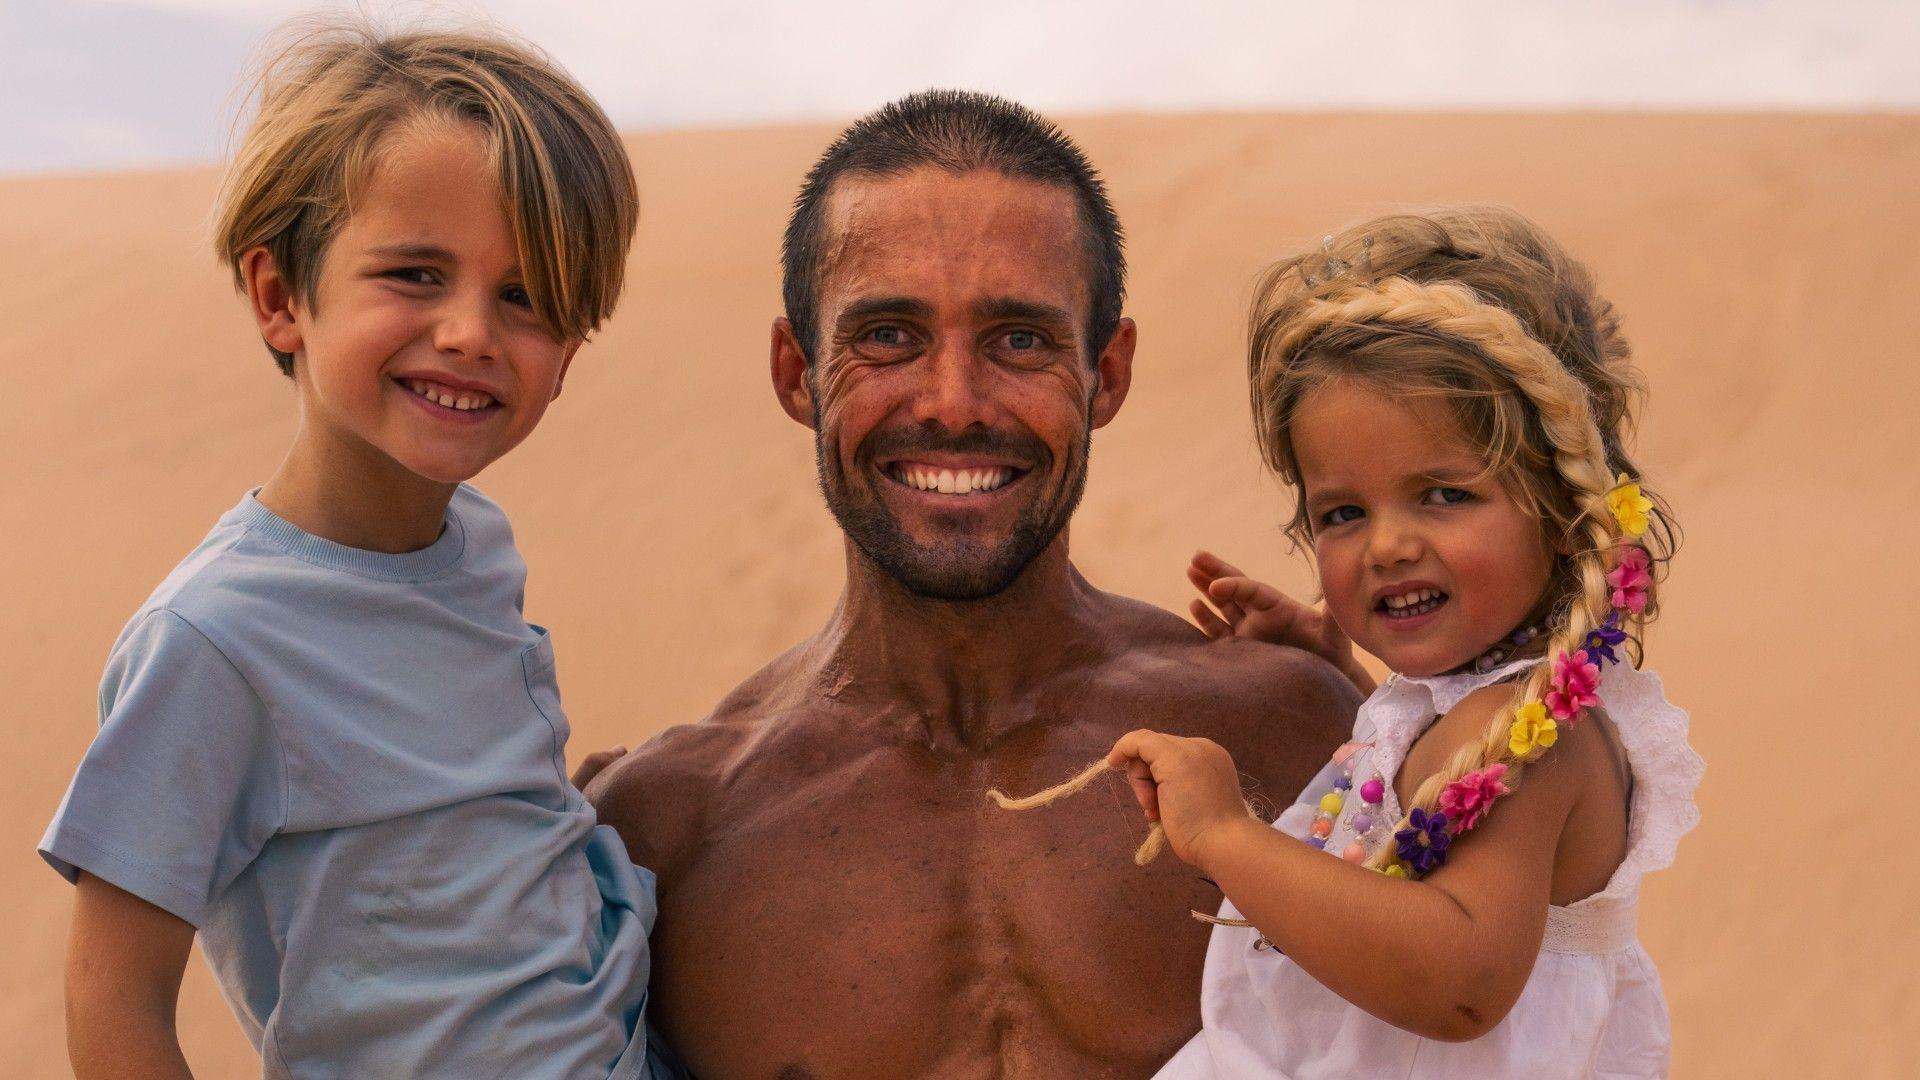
1601, 639
1423, 845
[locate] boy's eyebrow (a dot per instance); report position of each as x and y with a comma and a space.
423, 252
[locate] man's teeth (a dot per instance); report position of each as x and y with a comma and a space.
463, 400
951, 481
1417, 602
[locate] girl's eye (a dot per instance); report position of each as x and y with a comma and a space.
1340, 515
1448, 496
412, 275
517, 296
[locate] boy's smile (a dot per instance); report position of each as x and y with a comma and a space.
420, 344
1426, 562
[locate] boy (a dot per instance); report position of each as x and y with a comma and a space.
330, 743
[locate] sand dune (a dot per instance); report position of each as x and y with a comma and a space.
1765, 267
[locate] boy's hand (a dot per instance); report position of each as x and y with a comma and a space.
1189, 786
594, 763
1236, 605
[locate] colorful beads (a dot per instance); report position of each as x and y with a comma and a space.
1362, 824
1322, 828
1343, 783
1331, 802
1373, 791
1354, 852
1317, 841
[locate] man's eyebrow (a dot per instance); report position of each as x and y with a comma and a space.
1011, 308
886, 305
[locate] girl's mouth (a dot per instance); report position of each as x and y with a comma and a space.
1410, 605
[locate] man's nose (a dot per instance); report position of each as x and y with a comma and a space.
469, 326
953, 393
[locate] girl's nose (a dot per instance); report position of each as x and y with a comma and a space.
1392, 542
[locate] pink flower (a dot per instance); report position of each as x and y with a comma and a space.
1575, 682
1630, 580
1467, 799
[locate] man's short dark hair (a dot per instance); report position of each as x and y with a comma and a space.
958, 131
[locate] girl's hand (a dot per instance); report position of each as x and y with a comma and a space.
1189, 786
1238, 606
592, 765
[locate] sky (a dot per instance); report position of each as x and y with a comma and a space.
106, 84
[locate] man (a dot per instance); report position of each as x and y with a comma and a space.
838, 897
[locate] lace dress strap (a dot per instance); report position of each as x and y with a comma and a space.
1653, 732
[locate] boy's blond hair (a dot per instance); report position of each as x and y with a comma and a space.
329, 99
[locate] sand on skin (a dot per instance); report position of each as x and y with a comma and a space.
1764, 266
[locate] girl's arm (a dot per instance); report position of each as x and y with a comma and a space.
1234, 605
1444, 957
125, 958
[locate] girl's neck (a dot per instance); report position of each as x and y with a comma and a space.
351, 493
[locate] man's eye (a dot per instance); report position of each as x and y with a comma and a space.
1023, 340
891, 337
1340, 515
1448, 496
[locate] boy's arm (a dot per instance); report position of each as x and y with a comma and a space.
125, 958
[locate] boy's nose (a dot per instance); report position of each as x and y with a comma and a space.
469, 327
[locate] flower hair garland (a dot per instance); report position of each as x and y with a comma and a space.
1572, 688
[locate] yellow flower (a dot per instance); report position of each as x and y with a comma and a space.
1629, 506
1396, 869
1532, 727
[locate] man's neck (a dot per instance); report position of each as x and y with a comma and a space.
968, 667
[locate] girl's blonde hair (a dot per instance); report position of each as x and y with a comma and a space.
1477, 308
332, 95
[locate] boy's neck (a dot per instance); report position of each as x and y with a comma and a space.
357, 497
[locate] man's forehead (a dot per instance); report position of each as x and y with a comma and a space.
932, 233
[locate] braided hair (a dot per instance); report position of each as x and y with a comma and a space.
1478, 308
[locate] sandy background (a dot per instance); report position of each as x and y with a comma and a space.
1765, 267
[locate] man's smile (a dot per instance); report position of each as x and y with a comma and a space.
964, 479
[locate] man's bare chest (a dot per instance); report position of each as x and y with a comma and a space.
880, 907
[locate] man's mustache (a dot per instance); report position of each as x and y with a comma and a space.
905, 442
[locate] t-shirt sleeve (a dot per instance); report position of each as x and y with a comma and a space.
184, 784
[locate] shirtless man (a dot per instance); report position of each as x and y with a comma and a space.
838, 898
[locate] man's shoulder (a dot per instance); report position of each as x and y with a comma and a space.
1166, 652
657, 796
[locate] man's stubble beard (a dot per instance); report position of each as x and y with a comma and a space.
962, 569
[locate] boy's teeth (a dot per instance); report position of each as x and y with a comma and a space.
440, 395
951, 481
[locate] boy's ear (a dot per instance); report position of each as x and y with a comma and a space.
272, 301
560, 381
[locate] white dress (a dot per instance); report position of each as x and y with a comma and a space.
1591, 1008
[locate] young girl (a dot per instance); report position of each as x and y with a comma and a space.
1447, 394
331, 745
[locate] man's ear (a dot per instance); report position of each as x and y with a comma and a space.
1115, 370
272, 301
560, 380
788, 365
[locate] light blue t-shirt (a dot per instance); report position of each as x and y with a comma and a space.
346, 770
